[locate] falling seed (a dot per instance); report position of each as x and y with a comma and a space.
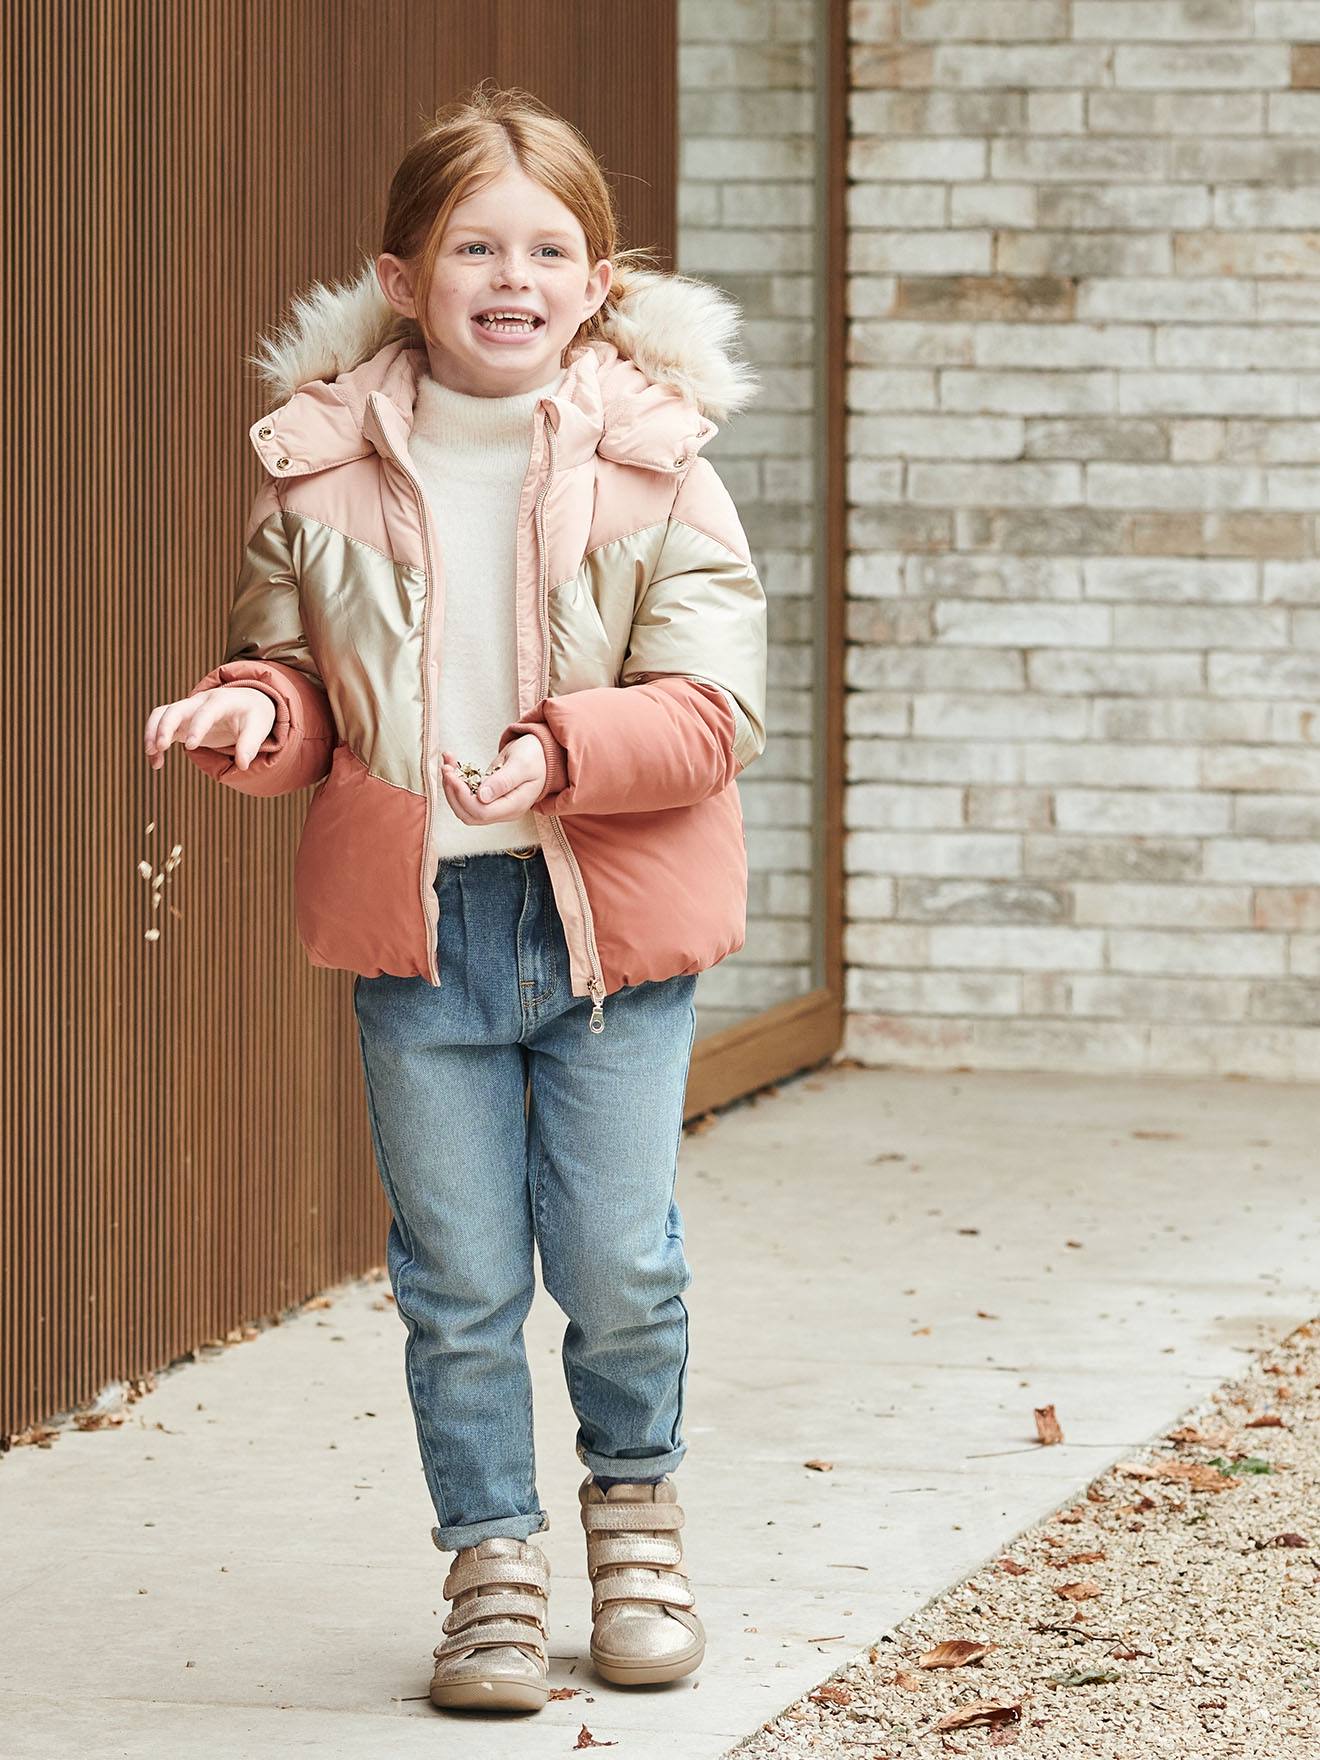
152, 935
158, 881
144, 868
150, 828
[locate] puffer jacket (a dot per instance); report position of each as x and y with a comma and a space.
641, 637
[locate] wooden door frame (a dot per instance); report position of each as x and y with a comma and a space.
806, 1030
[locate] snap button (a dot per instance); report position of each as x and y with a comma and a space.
280, 463
264, 433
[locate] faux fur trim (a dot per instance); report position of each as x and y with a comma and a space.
675, 329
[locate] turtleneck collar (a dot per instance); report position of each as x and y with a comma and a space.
479, 436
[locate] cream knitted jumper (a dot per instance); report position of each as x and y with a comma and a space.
472, 454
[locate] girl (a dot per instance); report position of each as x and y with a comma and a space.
484, 527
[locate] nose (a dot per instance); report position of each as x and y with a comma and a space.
514, 271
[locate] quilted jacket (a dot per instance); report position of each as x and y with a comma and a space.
641, 637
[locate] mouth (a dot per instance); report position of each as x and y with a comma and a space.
508, 323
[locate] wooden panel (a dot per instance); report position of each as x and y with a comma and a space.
185, 1136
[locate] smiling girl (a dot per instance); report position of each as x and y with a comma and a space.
485, 541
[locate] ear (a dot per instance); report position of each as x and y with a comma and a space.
396, 283
598, 286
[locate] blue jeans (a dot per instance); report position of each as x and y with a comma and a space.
499, 1120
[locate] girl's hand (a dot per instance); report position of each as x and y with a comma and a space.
505, 794
231, 715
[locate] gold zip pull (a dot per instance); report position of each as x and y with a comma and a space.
597, 993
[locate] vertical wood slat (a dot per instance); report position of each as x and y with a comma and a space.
185, 1134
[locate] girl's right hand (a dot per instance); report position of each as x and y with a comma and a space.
234, 715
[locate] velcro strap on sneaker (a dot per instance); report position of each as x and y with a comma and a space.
614, 1549
499, 1604
627, 1517
499, 1631
480, 1573
633, 1586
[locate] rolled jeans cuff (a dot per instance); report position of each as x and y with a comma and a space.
613, 1467
510, 1527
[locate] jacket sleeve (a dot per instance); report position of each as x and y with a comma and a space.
688, 714
267, 650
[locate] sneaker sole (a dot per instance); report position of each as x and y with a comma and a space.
490, 1695
638, 1674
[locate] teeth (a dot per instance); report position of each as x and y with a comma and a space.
520, 318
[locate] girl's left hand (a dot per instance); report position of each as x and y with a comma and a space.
507, 793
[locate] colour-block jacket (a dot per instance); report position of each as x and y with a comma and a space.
641, 637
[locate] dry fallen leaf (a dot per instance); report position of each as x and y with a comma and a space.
1084, 1558
587, 1740
1197, 1474
1190, 1433
980, 1711
819, 1466
1013, 1568
1266, 1421
1047, 1426
904, 1677
1083, 1591
954, 1653
831, 1695
564, 1692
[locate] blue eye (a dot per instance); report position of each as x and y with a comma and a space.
477, 246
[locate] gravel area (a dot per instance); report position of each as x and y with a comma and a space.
1174, 1609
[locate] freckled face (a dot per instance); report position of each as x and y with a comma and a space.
511, 286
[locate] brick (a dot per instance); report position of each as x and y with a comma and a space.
1078, 529
1164, 113
1081, 1047
1163, 999
886, 944
1143, 813
1204, 952
935, 669
1086, 437
1276, 815
1114, 858
1296, 1000
1265, 675
1025, 393
1304, 956
1165, 906
1276, 1053
981, 298
990, 854
934, 760
1152, 20
1172, 485
1174, 580
1017, 948
1015, 21
1199, 626
1209, 68
1010, 809
869, 896
1052, 252
876, 712
1287, 907
1259, 862
885, 621
884, 806
1114, 673
1020, 625
935, 993
995, 577
935, 436
980, 901
1110, 766
998, 717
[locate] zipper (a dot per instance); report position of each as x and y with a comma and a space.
596, 983
426, 891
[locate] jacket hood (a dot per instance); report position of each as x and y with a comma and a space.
662, 374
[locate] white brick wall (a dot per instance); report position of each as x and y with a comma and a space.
1083, 761
747, 169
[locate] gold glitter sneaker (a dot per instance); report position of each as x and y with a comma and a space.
494, 1658
644, 1624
